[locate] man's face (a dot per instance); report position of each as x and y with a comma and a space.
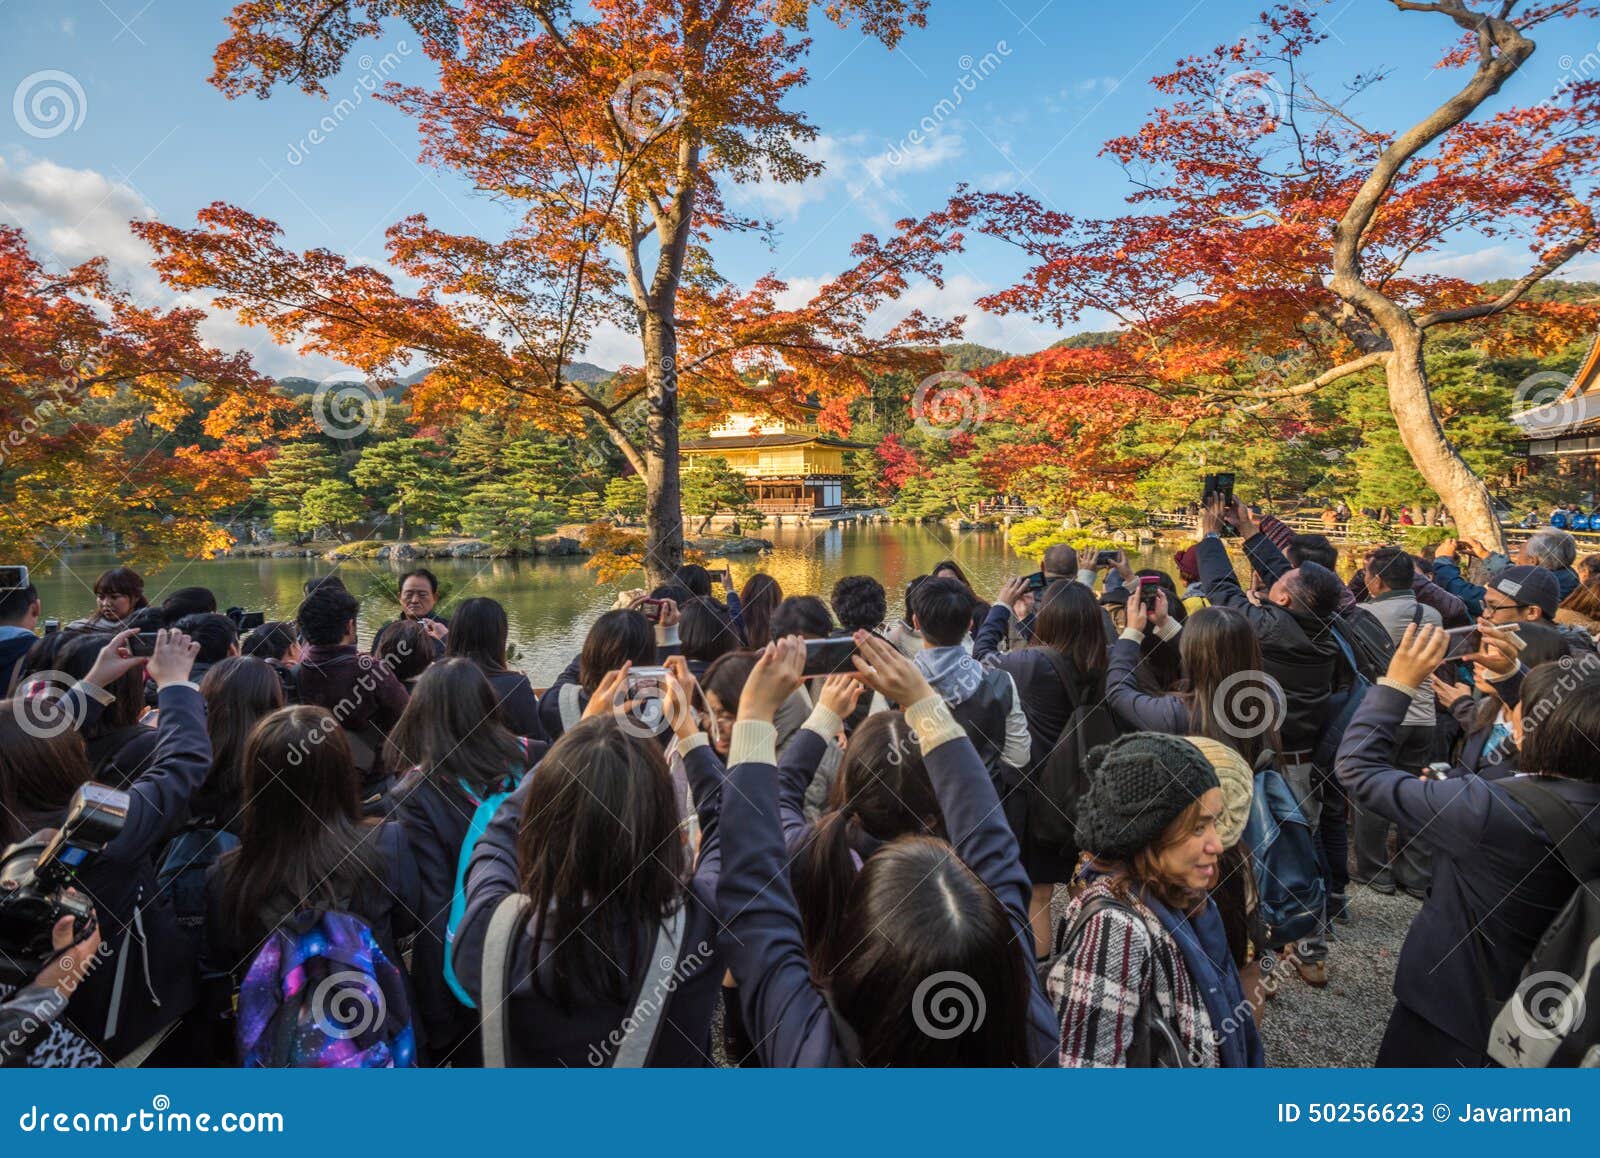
1501, 608
417, 597
1281, 590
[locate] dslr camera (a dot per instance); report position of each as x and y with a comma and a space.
36, 873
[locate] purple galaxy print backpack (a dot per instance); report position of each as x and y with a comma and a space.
322, 993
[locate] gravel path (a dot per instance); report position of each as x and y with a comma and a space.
1342, 1024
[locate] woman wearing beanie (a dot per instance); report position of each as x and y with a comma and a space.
1146, 977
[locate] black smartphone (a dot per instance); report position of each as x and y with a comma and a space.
826, 657
51, 626
1105, 558
143, 644
1037, 582
1217, 484
13, 578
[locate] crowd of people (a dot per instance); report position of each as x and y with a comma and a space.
783, 830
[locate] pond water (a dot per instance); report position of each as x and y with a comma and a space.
552, 602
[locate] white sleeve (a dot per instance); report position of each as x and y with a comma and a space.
1019, 744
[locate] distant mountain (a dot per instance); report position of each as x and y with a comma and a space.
1086, 339
586, 372
965, 356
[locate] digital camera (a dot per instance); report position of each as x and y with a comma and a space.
36, 873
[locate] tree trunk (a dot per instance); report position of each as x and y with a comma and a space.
1437, 461
663, 502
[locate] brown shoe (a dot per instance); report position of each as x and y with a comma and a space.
1313, 973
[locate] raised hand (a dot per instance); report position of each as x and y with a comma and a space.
1420, 651
774, 679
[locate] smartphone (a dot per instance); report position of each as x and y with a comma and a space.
1148, 586
1105, 559
251, 620
143, 644
650, 609
13, 578
1439, 770
829, 656
51, 626
1037, 582
1217, 484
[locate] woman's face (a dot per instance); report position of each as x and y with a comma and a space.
723, 735
1192, 856
113, 606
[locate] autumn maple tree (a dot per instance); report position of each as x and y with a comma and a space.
1273, 225
618, 129
94, 389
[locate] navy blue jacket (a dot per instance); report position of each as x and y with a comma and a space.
158, 984
785, 1013
1496, 881
519, 707
1135, 710
436, 817
543, 1033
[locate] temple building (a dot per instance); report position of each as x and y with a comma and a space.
790, 466
1564, 435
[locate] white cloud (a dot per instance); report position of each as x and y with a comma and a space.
1497, 261
72, 215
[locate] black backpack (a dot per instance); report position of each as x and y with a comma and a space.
1060, 779
1553, 1017
1368, 640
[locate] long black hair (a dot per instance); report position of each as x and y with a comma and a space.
601, 856
239, 691
1068, 618
478, 631
451, 730
303, 841
617, 637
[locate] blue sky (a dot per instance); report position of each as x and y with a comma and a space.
145, 135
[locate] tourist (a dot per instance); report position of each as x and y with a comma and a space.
276, 641
611, 897
117, 743
914, 910
705, 633
1193, 594
455, 754
950, 569
479, 631
984, 701
118, 593
619, 638
187, 601
217, 635
1581, 608
363, 696
405, 648
239, 693
1552, 550
31, 1033
41, 768
722, 686
19, 618
419, 595
1300, 652
1388, 576
1489, 747
859, 604
758, 599
306, 851
1143, 940
1496, 882
1062, 671
901, 632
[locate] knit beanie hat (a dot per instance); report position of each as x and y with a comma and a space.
1238, 783
1531, 587
1138, 784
